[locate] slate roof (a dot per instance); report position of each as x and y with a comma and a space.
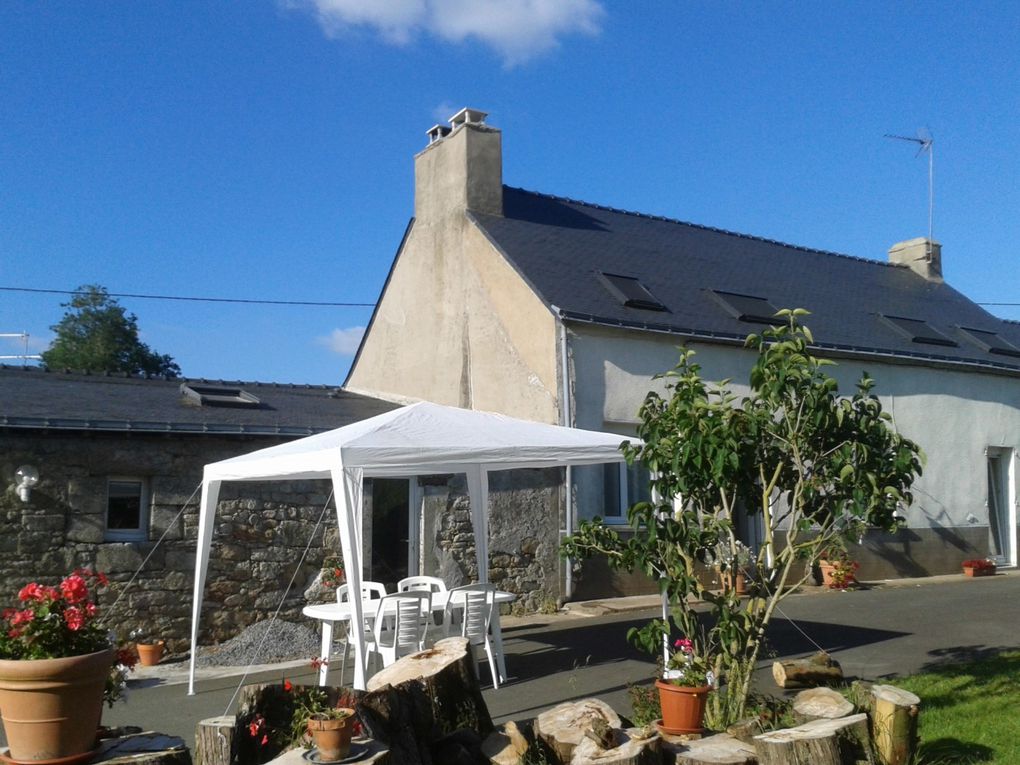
559, 245
34, 398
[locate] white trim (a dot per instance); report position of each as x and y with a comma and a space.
140, 534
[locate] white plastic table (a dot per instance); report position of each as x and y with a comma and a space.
331, 613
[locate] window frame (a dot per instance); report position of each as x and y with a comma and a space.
140, 534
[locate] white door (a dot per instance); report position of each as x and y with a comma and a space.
1002, 506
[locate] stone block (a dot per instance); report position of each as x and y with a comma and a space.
86, 528
118, 558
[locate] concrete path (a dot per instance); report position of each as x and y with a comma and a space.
890, 629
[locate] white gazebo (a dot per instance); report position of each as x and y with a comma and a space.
421, 439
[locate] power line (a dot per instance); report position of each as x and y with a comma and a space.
195, 299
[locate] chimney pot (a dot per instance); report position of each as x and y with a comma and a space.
466, 116
437, 133
922, 255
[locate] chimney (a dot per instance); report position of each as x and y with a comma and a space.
461, 169
922, 255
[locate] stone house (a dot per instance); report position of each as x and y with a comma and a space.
119, 457
562, 311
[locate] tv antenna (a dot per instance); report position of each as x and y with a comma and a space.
24, 357
925, 144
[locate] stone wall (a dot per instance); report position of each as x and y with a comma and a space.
260, 533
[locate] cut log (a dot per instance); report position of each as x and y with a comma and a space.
820, 742
820, 669
627, 748
720, 749
820, 704
143, 749
894, 723
214, 740
563, 727
508, 745
423, 697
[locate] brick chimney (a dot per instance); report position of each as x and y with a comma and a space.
922, 255
460, 169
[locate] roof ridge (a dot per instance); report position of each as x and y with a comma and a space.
702, 227
162, 378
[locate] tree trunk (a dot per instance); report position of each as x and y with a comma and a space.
721, 749
626, 749
894, 715
214, 740
822, 742
563, 727
820, 669
143, 749
820, 704
423, 697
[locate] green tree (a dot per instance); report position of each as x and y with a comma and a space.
817, 467
96, 334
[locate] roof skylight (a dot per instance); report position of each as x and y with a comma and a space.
991, 342
629, 291
746, 307
918, 331
219, 395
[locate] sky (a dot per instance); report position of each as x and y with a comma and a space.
263, 149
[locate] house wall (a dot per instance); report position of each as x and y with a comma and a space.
260, 533
954, 415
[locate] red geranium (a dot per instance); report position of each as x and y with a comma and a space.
74, 589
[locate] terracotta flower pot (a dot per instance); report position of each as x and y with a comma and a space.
332, 737
150, 654
51, 707
826, 568
971, 571
683, 707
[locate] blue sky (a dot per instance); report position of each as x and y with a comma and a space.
263, 149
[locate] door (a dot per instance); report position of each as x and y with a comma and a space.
391, 526
1002, 521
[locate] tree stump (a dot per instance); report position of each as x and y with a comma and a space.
820, 742
508, 745
628, 747
215, 742
820, 704
146, 748
423, 697
721, 749
563, 727
894, 715
820, 669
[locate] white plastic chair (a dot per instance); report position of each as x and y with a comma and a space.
414, 583
401, 625
369, 591
469, 610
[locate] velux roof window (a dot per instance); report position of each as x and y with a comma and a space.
991, 342
918, 331
219, 395
746, 307
629, 291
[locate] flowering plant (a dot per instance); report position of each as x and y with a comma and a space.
332, 574
686, 668
55, 622
980, 564
844, 568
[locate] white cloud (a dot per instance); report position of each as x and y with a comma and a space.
517, 30
344, 342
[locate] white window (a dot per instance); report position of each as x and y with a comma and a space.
624, 485
127, 509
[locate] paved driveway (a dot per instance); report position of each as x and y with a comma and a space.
884, 631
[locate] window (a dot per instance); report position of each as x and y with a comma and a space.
127, 509
219, 395
629, 291
625, 485
991, 342
918, 331
748, 308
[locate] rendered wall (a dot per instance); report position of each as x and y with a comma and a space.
953, 415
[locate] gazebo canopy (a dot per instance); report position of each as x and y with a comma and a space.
421, 439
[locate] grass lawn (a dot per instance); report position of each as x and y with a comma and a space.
969, 712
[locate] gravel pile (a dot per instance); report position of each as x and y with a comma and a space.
286, 641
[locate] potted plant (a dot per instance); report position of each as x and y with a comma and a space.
979, 567
150, 650
735, 561
683, 689
55, 665
839, 570
332, 574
